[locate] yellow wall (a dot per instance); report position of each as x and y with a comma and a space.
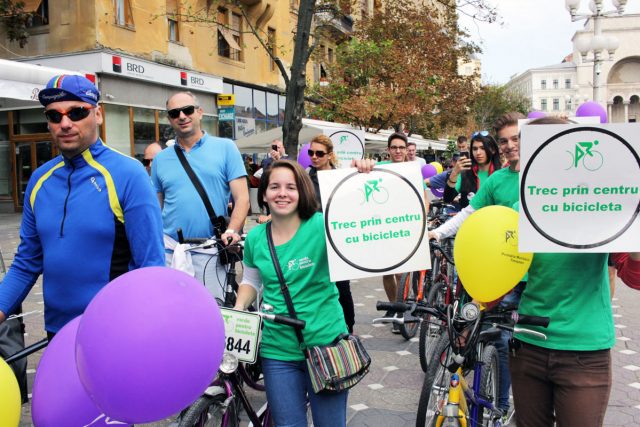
83, 25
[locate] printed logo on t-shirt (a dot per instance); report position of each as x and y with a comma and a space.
300, 264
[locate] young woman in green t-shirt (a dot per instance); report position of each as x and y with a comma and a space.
298, 237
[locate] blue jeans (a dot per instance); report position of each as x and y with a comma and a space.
288, 384
512, 299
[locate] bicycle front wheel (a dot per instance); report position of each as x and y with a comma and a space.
209, 411
435, 389
431, 328
489, 383
408, 292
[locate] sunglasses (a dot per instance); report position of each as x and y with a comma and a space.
75, 114
188, 110
318, 153
146, 162
480, 133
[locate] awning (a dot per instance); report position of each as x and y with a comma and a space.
228, 36
374, 142
31, 5
23, 81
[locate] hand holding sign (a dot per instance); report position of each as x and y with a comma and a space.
486, 253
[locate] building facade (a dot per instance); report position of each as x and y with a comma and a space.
141, 52
561, 88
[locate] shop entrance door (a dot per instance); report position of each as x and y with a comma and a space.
29, 155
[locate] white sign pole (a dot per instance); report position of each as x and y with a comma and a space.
580, 188
375, 223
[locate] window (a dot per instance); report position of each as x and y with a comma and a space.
555, 83
567, 105
543, 84
123, 14
567, 83
543, 104
330, 56
172, 20
39, 12
229, 35
556, 104
271, 44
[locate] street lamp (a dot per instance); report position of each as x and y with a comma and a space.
598, 43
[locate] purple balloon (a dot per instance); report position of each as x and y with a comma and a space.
592, 109
438, 192
428, 171
536, 115
58, 396
303, 156
149, 343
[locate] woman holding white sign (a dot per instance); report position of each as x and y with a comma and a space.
297, 231
324, 158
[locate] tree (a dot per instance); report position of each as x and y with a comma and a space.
400, 70
494, 101
15, 20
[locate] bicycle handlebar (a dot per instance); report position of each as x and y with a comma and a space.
27, 351
524, 319
278, 318
436, 246
414, 308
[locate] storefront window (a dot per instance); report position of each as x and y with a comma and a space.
283, 102
210, 125
29, 121
260, 104
4, 126
244, 101
144, 130
272, 107
166, 131
5, 167
117, 127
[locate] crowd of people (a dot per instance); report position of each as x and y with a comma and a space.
92, 214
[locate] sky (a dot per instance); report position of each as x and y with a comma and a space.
533, 33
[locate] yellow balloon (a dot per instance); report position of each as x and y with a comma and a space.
438, 166
486, 253
9, 396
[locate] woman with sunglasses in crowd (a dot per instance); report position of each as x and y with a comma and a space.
471, 171
324, 158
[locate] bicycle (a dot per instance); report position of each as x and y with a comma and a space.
218, 406
446, 398
444, 291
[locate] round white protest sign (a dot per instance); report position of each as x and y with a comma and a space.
572, 189
375, 222
348, 145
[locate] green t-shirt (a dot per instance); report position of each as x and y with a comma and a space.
305, 267
573, 291
501, 188
482, 177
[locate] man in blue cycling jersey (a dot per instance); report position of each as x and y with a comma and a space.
90, 214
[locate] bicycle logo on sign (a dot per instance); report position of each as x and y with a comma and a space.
591, 160
343, 139
374, 191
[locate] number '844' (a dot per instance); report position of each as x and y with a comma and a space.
238, 346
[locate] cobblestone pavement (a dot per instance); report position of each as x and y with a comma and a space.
388, 396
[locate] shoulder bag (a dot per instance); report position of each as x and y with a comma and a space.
334, 367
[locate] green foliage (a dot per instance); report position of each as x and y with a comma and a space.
494, 101
400, 69
15, 20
